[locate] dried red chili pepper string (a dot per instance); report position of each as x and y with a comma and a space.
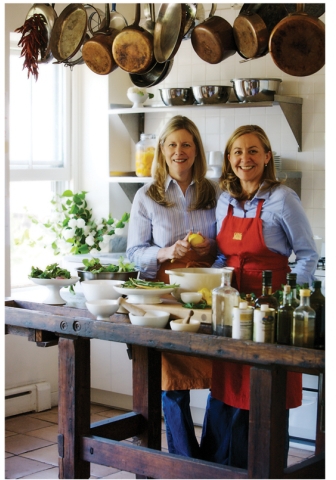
34, 40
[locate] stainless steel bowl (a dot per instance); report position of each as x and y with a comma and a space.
176, 96
122, 276
256, 89
211, 94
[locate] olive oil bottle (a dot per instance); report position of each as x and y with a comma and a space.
304, 322
285, 318
317, 302
266, 296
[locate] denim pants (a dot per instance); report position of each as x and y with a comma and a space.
180, 430
225, 434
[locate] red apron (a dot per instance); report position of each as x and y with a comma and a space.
181, 372
241, 240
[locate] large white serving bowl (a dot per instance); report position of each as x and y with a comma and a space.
100, 289
143, 295
153, 319
192, 326
103, 309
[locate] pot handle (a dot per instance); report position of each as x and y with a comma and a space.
172, 272
213, 10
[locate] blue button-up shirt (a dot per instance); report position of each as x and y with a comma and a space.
153, 226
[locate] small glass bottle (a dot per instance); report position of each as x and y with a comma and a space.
291, 280
303, 334
249, 299
285, 318
242, 322
264, 324
224, 298
266, 295
317, 302
144, 155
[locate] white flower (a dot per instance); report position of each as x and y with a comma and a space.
106, 238
87, 230
80, 223
118, 231
141, 91
100, 226
89, 240
72, 223
94, 252
68, 233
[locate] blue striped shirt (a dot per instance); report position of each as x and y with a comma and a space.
285, 227
153, 226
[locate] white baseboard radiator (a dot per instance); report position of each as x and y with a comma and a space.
27, 398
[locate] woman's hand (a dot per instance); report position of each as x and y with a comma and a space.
203, 248
176, 251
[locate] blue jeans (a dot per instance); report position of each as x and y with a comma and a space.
180, 431
225, 434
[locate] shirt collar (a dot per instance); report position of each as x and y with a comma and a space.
170, 180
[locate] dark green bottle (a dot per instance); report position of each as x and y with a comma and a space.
291, 280
317, 302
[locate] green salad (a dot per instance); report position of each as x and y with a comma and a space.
95, 266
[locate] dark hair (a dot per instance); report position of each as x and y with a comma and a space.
205, 191
229, 181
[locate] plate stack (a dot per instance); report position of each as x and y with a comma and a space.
277, 161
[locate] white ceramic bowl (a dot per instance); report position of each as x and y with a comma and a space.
192, 326
103, 309
191, 297
153, 319
100, 289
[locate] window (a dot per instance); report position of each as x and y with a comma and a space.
39, 146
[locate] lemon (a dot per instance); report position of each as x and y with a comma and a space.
206, 295
195, 238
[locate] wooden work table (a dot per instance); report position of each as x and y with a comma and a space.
80, 442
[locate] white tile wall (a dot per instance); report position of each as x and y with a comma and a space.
216, 126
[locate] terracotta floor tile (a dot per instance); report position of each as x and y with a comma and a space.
22, 424
46, 455
47, 433
44, 474
94, 408
101, 471
20, 443
48, 416
18, 467
121, 474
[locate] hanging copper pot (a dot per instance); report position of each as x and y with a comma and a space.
297, 44
213, 39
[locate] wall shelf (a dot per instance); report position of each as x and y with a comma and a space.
291, 107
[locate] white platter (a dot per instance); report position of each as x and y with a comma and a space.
143, 295
53, 286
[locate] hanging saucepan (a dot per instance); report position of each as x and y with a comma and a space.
169, 30
69, 32
253, 26
97, 51
213, 39
195, 15
117, 20
156, 75
313, 9
132, 48
297, 44
149, 22
50, 16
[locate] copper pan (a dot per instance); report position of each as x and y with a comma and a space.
213, 39
297, 44
132, 48
253, 26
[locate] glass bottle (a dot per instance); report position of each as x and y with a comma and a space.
144, 155
303, 334
242, 322
249, 299
266, 294
291, 280
285, 317
317, 302
224, 298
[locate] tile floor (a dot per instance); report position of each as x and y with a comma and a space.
31, 446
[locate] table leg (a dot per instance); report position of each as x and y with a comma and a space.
73, 405
267, 423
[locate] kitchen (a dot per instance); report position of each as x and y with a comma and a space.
115, 150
